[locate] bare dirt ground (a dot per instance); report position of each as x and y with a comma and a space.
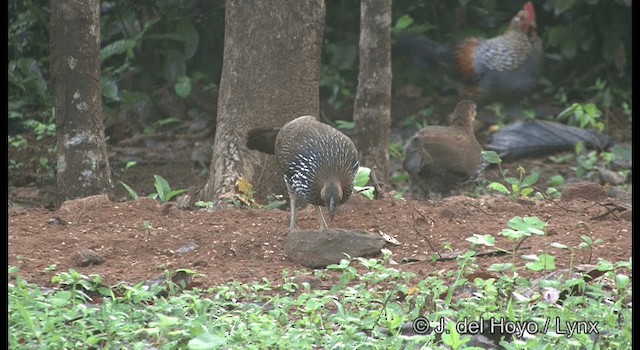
234, 244
134, 241
239, 244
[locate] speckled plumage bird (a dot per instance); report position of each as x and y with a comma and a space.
319, 162
500, 69
439, 158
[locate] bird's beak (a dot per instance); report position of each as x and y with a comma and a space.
332, 208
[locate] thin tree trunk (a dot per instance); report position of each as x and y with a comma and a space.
372, 108
82, 162
270, 75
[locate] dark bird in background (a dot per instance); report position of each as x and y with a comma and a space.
439, 159
501, 69
319, 162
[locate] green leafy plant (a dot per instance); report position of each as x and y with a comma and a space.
130, 165
583, 115
159, 124
587, 244
370, 300
205, 205
519, 229
362, 178
40, 129
345, 124
132, 193
15, 165
17, 142
396, 150
274, 202
79, 284
164, 192
406, 25
521, 186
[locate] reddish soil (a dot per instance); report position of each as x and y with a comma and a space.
240, 244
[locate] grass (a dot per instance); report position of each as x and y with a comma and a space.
366, 308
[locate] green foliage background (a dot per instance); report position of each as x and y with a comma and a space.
149, 44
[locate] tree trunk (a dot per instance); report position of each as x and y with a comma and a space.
82, 162
270, 75
372, 107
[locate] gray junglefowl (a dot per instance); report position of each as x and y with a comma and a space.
501, 69
319, 163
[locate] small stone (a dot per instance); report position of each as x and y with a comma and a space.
86, 203
187, 248
590, 191
626, 215
86, 257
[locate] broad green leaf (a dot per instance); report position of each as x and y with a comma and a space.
162, 187
367, 191
559, 245
491, 157
61, 298
345, 124
110, 89
130, 165
486, 240
512, 181
622, 281
500, 267
116, 47
362, 176
130, 190
530, 179
525, 192
402, 23
498, 187
275, 205
183, 86
175, 193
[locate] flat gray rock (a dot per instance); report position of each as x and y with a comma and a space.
317, 249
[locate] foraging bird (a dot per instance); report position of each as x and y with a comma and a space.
318, 161
501, 69
440, 158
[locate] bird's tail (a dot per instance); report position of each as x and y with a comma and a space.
425, 53
263, 140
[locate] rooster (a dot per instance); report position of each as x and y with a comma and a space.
501, 69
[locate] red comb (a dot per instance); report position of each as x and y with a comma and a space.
529, 8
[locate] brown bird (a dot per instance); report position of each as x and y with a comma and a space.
319, 163
440, 158
500, 69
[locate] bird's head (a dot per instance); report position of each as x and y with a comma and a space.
331, 194
525, 19
464, 114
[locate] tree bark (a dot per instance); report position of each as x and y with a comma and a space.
270, 75
372, 107
82, 162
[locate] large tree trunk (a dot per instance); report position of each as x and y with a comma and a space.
372, 108
82, 162
270, 75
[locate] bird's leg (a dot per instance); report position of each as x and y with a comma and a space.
292, 204
323, 223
